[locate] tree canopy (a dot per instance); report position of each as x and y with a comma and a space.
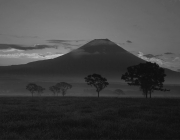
149, 76
63, 86
32, 87
97, 81
54, 89
40, 90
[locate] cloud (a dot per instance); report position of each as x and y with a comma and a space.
57, 41
19, 36
168, 53
72, 43
151, 59
162, 60
10, 50
42, 47
62, 41
149, 55
48, 55
5, 47
68, 44
176, 59
81, 52
51, 56
128, 41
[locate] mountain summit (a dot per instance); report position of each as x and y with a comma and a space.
102, 46
98, 56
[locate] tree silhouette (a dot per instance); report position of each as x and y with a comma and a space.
40, 90
97, 81
54, 89
63, 87
32, 87
149, 76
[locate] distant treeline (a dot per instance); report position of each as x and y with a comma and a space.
148, 76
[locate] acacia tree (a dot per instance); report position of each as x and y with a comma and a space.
54, 89
63, 86
40, 90
149, 76
32, 87
97, 81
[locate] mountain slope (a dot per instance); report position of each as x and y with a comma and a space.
98, 56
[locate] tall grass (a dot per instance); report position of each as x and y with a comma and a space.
89, 118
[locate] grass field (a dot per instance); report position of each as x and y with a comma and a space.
89, 118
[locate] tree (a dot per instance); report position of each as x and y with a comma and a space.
97, 81
54, 89
40, 90
63, 87
149, 76
32, 88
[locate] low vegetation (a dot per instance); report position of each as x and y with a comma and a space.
89, 118
94, 118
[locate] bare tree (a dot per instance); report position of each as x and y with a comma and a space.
63, 87
149, 76
97, 81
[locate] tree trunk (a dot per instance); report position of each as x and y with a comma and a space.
146, 92
98, 94
150, 94
32, 94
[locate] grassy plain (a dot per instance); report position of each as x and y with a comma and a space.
43, 118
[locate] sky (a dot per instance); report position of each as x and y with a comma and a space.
51, 28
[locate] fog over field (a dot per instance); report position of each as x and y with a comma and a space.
101, 56
17, 87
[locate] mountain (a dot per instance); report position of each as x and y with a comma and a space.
98, 56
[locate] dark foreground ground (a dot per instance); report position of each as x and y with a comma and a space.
89, 118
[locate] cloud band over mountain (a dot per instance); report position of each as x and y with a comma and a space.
166, 60
25, 48
37, 52
63, 41
31, 55
13, 52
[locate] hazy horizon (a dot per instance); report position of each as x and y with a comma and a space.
32, 30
